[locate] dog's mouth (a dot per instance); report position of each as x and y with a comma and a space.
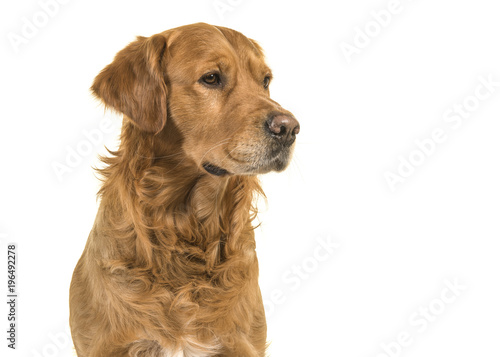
276, 160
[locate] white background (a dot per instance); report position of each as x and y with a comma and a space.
360, 116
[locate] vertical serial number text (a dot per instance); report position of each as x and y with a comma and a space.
11, 296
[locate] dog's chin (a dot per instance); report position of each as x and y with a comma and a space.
276, 164
277, 160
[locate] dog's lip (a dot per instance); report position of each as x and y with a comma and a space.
214, 169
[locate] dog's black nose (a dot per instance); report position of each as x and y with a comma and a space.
283, 128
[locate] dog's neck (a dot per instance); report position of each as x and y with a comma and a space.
158, 189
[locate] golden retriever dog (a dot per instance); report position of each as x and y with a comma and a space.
170, 268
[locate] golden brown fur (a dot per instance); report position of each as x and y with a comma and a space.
170, 268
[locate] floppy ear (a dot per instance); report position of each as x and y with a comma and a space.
134, 83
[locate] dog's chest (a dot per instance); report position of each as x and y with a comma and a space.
190, 348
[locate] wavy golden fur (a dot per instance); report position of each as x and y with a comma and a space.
170, 268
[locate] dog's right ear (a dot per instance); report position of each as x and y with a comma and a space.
134, 83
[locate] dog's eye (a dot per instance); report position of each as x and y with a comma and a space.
211, 79
267, 80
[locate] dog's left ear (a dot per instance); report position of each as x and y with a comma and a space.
134, 83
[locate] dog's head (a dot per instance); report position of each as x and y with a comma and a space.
212, 84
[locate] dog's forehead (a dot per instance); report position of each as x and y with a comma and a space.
202, 42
